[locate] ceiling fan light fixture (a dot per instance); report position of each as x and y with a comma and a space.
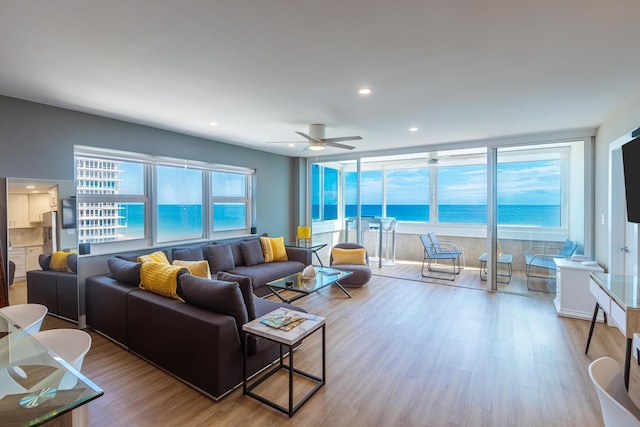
365, 91
316, 147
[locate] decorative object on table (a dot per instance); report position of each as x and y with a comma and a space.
308, 273
304, 235
283, 321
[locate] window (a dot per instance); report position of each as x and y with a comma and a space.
179, 203
138, 200
230, 200
462, 194
530, 192
111, 200
404, 205
450, 187
324, 193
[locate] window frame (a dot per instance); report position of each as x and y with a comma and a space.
149, 198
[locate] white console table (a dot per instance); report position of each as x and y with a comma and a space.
573, 298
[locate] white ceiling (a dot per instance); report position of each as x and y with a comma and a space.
459, 70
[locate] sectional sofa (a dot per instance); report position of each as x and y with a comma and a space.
196, 338
56, 289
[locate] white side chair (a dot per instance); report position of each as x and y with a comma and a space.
617, 407
28, 316
71, 345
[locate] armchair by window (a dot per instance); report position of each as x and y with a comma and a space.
539, 260
441, 251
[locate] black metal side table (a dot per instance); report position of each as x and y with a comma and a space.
285, 339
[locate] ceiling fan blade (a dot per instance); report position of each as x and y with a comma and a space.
333, 144
341, 138
310, 138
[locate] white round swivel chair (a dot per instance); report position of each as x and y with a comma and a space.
28, 316
71, 345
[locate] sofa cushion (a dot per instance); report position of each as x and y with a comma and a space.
189, 254
44, 260
245, 287
215, 295
252, 252
237, 253
158, 256
130, 258
197, 268
161, 278
125, 271
349, 256
220, 257
72, 262
273, 248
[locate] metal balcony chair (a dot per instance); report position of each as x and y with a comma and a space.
436, 251
541, 258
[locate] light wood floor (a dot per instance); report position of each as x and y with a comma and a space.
400, 353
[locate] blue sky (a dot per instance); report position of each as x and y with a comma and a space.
522, 183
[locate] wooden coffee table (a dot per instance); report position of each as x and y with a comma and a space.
324, 277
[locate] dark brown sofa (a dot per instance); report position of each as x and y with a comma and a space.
244, 257
198, 341
57, 290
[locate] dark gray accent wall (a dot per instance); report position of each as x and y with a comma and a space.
37, 142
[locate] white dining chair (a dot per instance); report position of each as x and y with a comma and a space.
28, 316
617, 407
71, 345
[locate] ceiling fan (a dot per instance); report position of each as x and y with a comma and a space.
316, 140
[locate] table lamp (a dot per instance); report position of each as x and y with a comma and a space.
304, 234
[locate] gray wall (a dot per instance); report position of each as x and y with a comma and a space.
37, 141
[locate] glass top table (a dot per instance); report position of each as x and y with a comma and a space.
30, 375
325, 276
623, 289
314, 247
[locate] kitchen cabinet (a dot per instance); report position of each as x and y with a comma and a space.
18, 211
38, 204
17, 255
31, 258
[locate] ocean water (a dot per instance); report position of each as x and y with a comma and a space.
185, 221
180, 221
525, 215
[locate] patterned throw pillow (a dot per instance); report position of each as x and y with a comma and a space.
161, 279
158, 256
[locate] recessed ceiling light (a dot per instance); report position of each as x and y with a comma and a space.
292, 145
31, 186
213, 123
413, 129
364, 91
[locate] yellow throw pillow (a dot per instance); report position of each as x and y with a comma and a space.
349, 256
59, 261
273, 249
158, 256
197, 268
161, 279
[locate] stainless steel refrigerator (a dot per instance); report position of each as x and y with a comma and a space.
50, 232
